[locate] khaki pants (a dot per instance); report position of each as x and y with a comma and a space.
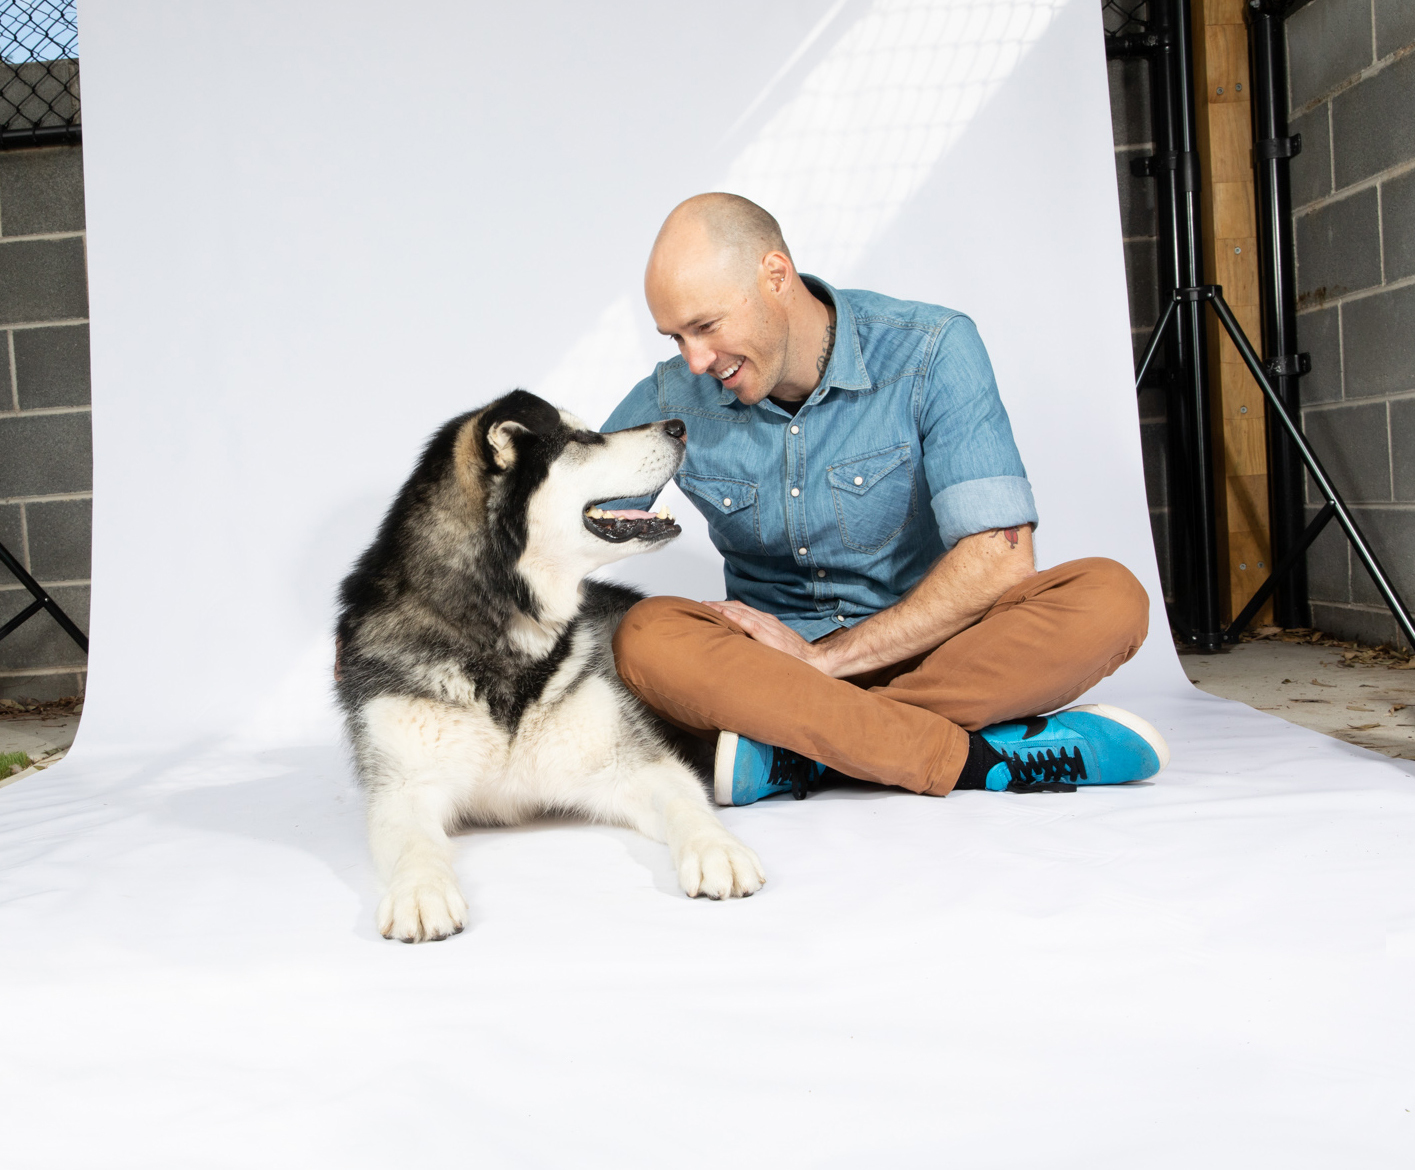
1040, 646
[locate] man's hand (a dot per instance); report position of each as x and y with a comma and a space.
770, 631
960, 588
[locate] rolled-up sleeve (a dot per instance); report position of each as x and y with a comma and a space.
975, 475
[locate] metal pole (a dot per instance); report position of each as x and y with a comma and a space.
1208, 625
42, 600
1156, 336
1272, 150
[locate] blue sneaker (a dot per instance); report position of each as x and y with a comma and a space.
1081, 745
744, 770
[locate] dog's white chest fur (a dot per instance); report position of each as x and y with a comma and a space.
576, 732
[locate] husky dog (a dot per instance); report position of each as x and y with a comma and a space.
474, 664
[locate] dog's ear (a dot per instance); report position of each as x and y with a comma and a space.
519, 413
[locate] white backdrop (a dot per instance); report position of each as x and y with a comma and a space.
318, 230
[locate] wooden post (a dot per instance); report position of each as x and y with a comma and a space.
1225, 138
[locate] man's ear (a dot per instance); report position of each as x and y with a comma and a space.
776, 272
519, 413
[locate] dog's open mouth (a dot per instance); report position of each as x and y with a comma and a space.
617, 526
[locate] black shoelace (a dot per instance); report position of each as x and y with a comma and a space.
789, 767
1045, 771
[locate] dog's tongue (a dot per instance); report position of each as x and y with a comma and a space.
630, 514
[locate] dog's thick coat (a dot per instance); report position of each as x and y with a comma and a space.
475, 668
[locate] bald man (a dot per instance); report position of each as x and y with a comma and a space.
884, 618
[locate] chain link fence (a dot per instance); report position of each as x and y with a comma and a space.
39, 73
1125, 17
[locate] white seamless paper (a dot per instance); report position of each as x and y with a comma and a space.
316, 231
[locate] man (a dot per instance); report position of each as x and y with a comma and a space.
856, 467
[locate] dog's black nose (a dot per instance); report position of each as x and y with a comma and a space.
676, 429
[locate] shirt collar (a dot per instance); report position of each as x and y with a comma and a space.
846, 370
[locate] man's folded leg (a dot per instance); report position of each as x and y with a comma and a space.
1042, 644
700, 671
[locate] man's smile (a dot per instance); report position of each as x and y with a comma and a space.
731, 372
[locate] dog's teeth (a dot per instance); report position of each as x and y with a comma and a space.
596, 513
663, 514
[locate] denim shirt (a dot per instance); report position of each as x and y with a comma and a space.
828, 516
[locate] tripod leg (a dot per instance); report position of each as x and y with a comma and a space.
1368, 558
1255, 603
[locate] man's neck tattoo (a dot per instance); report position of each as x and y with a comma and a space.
826, 347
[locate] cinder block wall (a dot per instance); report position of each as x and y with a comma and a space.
46, 461
1352, 98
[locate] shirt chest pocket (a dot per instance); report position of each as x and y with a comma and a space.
730, 508
874, 497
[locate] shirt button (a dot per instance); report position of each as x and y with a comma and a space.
859, 479
795, 430
801, 552
795, 491
820, 572
839, 618
727, 501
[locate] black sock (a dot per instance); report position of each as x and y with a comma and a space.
981, 759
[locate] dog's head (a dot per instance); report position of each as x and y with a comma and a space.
543, 474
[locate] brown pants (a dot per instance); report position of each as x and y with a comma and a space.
1041, 645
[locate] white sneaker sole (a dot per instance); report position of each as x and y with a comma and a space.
1128, 719
724, 763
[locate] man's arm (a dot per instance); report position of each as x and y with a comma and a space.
963, 585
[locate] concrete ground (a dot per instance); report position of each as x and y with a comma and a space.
43, 734
1320, 687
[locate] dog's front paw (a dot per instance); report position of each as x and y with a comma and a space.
719, 866
423, 907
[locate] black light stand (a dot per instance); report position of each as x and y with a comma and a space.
1166, 44
1273, 149
1335, 505
42, 600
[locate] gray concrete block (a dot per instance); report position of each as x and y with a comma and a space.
1159, 527
1353, 443
41, 641
43, 686
1156, 462
1142, 281
1391, 533
1129, 102
1395, 26
1328, 564
42, 280
11, 536
1152, 405
41, 190
60, 539
1319, 334
1338, 249
1402, 449
1327, 41
42, 93
52, 366
1137, 197
45, 454
1378, 343
1311, 170
1373, 124
1367, 626
1398, 226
